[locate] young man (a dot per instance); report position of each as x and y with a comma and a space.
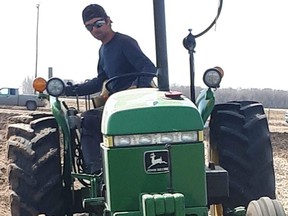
119, 54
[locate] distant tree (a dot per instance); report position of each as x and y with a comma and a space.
185, 89
270, 98
27, 85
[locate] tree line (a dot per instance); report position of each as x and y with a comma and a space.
270, 98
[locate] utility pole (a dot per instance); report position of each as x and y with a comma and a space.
37, 27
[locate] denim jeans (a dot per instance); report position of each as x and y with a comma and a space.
91, 137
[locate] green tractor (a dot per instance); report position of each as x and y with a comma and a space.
154, 152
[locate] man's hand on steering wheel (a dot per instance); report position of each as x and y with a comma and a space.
134, 85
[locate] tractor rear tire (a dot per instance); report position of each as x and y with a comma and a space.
239, 132
34, 167
265, 207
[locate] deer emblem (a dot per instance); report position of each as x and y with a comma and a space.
155, 160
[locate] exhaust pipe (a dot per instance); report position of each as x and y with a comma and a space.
161, 45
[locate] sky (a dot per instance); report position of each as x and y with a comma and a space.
249, 40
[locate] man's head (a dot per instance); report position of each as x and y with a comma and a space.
93, 11
97, 22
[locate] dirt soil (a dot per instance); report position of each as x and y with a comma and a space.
279, 137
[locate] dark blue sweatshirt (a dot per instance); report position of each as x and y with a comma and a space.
121, 55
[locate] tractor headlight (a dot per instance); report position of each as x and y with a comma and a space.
212, 77
189, 137
154, 139
166, 138
123, 140
146, 139
55, 87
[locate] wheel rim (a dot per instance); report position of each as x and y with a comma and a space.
265, 207
253, 209
278, 208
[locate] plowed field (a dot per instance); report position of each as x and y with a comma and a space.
279, 137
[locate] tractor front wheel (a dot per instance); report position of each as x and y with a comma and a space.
34, 166
265, 207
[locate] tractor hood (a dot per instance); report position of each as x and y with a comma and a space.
148, 110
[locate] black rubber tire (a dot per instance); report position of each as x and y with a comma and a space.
31, 105
265, 207
34, 167
239, 131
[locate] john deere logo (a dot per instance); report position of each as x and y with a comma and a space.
156, 161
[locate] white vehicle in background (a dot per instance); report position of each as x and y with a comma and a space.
11, 97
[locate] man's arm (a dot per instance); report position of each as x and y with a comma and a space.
140, 61
90, 87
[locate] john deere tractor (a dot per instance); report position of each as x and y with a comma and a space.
163, 153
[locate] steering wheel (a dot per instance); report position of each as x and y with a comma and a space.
136, 75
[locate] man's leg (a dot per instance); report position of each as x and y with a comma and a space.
91, 137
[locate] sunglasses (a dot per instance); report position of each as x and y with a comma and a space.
97, 24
